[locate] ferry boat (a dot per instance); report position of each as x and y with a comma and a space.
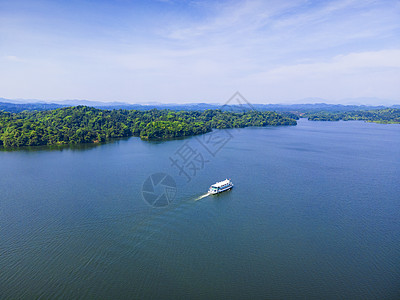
220, 187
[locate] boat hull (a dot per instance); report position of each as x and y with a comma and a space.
221, 190
220, 187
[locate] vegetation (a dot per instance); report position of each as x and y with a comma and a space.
82, 124
16, 108
385, 116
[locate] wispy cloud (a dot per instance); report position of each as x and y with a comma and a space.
12, 58
351, 75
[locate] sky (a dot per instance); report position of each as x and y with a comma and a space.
176, 51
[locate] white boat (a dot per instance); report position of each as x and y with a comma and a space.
220, 187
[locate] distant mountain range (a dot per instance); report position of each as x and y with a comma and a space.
31, 104
16, 108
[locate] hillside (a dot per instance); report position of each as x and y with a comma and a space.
82, 124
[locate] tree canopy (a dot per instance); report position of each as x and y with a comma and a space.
386, 116
82, 124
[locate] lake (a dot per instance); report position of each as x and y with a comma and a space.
315, 213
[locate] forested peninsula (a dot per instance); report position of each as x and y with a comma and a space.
384, 116
83, 124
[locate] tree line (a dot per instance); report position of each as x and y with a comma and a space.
386, 116
82, 124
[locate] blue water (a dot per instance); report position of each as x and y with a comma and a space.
315, 213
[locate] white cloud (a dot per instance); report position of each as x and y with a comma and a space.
365, 74
350, 63
13, 58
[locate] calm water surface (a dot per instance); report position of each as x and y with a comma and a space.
315, 214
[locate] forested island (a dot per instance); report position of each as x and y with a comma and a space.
82, 124
384, 116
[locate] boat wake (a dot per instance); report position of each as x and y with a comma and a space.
202, 196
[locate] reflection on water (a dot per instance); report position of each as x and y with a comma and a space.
72, 147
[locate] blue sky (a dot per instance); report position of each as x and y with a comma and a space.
200, 51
